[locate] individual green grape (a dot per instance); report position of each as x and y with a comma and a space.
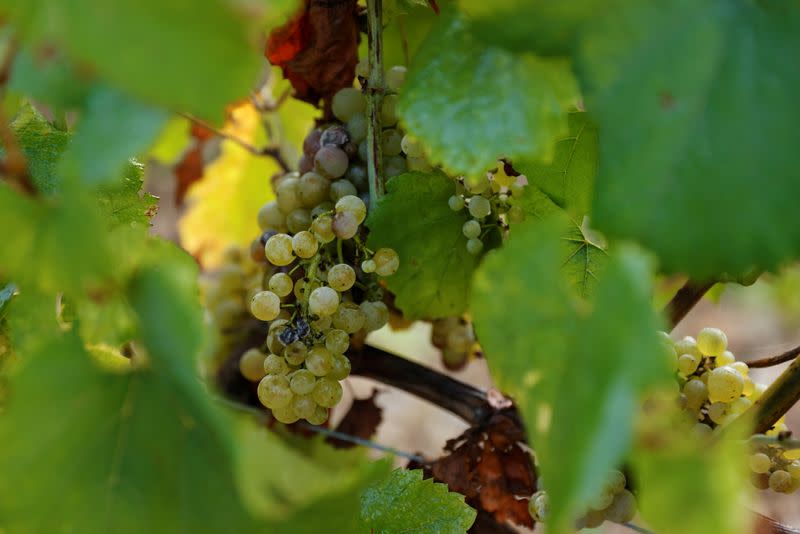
516, 215
454, 360
461, 338
323, 301
724, 384
275, 365
332, 161
354, 205
357, 127
411, 147
302, 382
456, 203
287, 194
687, 345
279, 250
502, 178
274, 343
712, 341
341, 367
348, 317
251, 365
539, 506
740, 405
718, 412
471, 229
616, 481
319, 417
479, 207
760, 463
726, 358
322, 228
313, 189
687, 364
389, 110
794, 469
368, 266
295, 352
623, 507
300, 289
781, 481
601, 501
592, 519
474, 246
281, 284
285, 415
274, 391
304, 406
394, 166
327, 393
322, 323
390, 140
347, 102
395, 77
386, 261
319, 360
345, 225
477, 184
265, 305
337, 341
323, 208
270, 217
376, 315
748, 387
758, 390
741, 367
304, 244
702, 430
298, 220
227, 313
340, 189
363, 149
341, 277
696, 393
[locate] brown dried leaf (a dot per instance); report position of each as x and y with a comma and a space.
361, 421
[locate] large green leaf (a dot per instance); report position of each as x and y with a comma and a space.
569, 179
191, 56
697, 111
435, 268
48, 77
543, 26
471, 104
565, 359
113, 129
404, 502
102, 452
42, 146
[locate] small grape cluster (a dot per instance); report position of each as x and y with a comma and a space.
321, 283
455, 337
227, 290
614, 503
716, 389
487, 199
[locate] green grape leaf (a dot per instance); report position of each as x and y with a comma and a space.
42, 146
569, 178
404, 502
123, 203
435, 268
109, 112
542, 26
470, 104
49, 79
140, 451
681, 472
582, 259
191, 56
565, 359
683, 172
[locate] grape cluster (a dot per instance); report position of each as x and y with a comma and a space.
321, 284
227, 290
716, 389
455, 337
614, 503
487, 200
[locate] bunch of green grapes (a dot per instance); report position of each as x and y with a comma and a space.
614, 503
321, 284
716, 389
455, 337
488, 201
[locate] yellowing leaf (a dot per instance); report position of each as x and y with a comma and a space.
223, 204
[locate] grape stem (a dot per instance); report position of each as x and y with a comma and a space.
684, 300
779, 397
789, 355
374, 94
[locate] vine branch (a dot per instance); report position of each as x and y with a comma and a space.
684, 300
779, 397
789, 355
374, 95
272, 151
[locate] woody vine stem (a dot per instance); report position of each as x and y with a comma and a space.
374, 93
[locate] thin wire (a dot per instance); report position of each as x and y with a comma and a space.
637, 528
325, 431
